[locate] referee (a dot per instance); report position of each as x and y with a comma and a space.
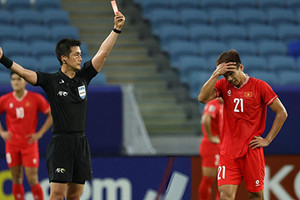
68, 154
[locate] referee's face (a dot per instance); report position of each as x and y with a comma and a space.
74, 60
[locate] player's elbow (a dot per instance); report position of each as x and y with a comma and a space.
202, 99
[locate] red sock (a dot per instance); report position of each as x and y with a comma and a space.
18, 191
204, 190
37, 192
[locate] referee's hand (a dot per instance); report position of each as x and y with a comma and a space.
119, 20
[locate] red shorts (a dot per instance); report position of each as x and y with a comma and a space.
251, 167
27, 156
210, 154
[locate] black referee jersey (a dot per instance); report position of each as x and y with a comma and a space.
68, 98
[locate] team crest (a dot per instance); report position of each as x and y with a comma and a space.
229, 93
82, 91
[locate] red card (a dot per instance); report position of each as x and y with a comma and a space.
114, 6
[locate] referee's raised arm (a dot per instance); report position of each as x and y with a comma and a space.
105, 48
29, 75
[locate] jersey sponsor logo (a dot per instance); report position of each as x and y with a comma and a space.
62, 93
61, 81
82, 92
60, 170
229, 93
248, 94
257, 183
11, 105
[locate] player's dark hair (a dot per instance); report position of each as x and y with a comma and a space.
63, 47
229, 56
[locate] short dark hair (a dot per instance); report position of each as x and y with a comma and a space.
229, 56
63, 47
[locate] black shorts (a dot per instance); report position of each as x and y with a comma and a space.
69, 159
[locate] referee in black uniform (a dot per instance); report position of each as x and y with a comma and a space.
68, 154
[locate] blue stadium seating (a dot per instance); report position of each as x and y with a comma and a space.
294, 49
99, 79
222, 16
161, 17
267, 48
43, 48
252, 63
293, 4
232, 32
212, 48
193, 17
268, 76
259, 32
10, 33
177, 49
282, 63
278, 16
33, 33
28, 62
238, 4
203, 32
182, 4
55, 17
196, 81
289, 78
27, 17
213, 4
47, 4
149, 5
244, 47
49, 64
60, 32
6, 17
5, 76
288, 32
173, 32
84, 49
17, 4
15, 48
266, 4
251, 16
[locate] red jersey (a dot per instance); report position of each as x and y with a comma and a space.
215, 109
245, 111
22, 114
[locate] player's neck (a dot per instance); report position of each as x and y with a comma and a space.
20, 93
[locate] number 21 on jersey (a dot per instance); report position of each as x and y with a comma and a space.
221, 172
239, 105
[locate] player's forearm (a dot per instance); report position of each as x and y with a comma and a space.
207, 90
45, 126
276, 126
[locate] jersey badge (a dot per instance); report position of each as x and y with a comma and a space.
61, 81
248, 94
81, 91
27, 104
11, 105
229, 93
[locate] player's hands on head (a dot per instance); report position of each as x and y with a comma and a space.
223, 68
258, 142
119, 20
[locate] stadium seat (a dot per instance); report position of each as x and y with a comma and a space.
259, 32
177, 49
196, 81
84, 49
294, 49
182, 4
251, 16
27, 17
238, 4
43, 48
15, 48
222, 16
270, 48
47, 4
243, 47
280, 63
49, 64
193, 17
34, 33
28, 62
293, 4
173, 32
203, 32
266, 4
289, 78
55, 17
278, 16
17, 4
161, 17
99, 79
10, 33
252, 63
268, 76
60, 32
288, 32
6, 18
213, 4
232, 32
149, 5
5, 76
208, 48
